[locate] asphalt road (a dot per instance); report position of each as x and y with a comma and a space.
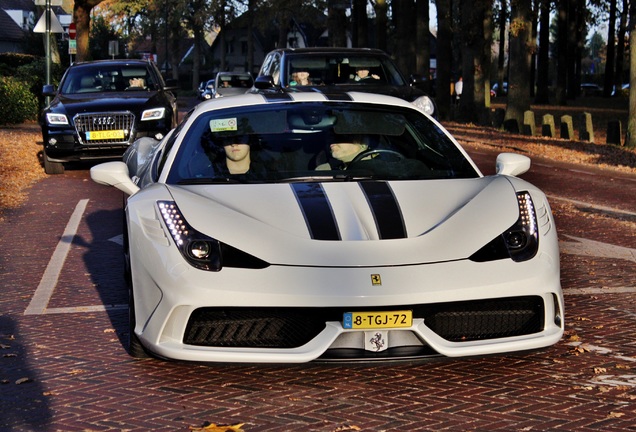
63, 326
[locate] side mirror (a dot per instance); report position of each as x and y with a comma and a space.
114, 174
512, 164
48, 90
264, 82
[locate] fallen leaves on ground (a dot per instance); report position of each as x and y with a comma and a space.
19, 164
212, 427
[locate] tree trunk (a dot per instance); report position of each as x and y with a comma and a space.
520, 57
337, 25
82, 19
630, 141
404, 23
422, 40
501, 61
444, 58
482, 68
381, 9
619, 76
562, 52
610, 59
543, 66
361, 24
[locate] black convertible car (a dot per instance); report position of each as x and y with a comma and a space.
102, 107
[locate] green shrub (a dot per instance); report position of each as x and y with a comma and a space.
18, 102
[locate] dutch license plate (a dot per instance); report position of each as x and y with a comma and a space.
105, 135
377, 320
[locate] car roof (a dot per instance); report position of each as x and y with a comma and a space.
332, 50
136, 62
255, 99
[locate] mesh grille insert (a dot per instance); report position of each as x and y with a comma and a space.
294, 327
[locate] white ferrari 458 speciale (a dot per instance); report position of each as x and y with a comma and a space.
295, 227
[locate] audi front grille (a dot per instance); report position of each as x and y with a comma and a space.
112, 128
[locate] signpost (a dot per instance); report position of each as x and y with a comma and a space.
47, 24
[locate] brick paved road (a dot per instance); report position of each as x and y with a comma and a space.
64, 368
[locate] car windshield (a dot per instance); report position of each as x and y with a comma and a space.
309, 141
341, 70
235, 81
107, 78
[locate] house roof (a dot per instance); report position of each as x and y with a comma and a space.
9, 30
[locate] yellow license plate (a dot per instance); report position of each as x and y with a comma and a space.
104, 135
377, 320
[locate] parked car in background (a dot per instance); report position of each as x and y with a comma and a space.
339, 70
206, 90
102, 107
232, 84
494, 91
335, 227
591, 89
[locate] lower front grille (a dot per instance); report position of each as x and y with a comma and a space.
294, 327
107, 128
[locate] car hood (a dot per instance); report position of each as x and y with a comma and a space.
96, 102
407, 93
353, 224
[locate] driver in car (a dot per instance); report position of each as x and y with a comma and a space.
345, 152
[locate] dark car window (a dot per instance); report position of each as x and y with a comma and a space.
271, 67
293, 141
334, 69
108, 78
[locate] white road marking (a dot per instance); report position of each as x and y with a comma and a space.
599, 290
44, 291
597, 249
84, 309
592, 206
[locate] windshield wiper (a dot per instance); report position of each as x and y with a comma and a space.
209, 180
324, 178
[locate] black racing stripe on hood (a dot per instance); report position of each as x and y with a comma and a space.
316, 209
277, 97
335, 96
385, 209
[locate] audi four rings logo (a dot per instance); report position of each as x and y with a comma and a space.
103, 121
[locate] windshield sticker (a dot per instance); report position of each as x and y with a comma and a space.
220, 125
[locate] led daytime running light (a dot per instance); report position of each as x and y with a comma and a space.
174, 221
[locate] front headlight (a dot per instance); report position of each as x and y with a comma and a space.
426, 104
200, 250
520, 242
56, 119
153, 114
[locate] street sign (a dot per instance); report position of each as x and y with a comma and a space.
52, 3
40, 27
72, 32
72, 46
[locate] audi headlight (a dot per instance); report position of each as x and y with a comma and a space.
153, 114
200, 250
520, 242
426, 104
56, 119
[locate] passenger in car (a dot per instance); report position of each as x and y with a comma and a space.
137, 83
300, 78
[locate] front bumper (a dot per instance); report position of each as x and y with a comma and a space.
462, 309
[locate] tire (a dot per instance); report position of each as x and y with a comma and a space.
135, 348
52, 167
